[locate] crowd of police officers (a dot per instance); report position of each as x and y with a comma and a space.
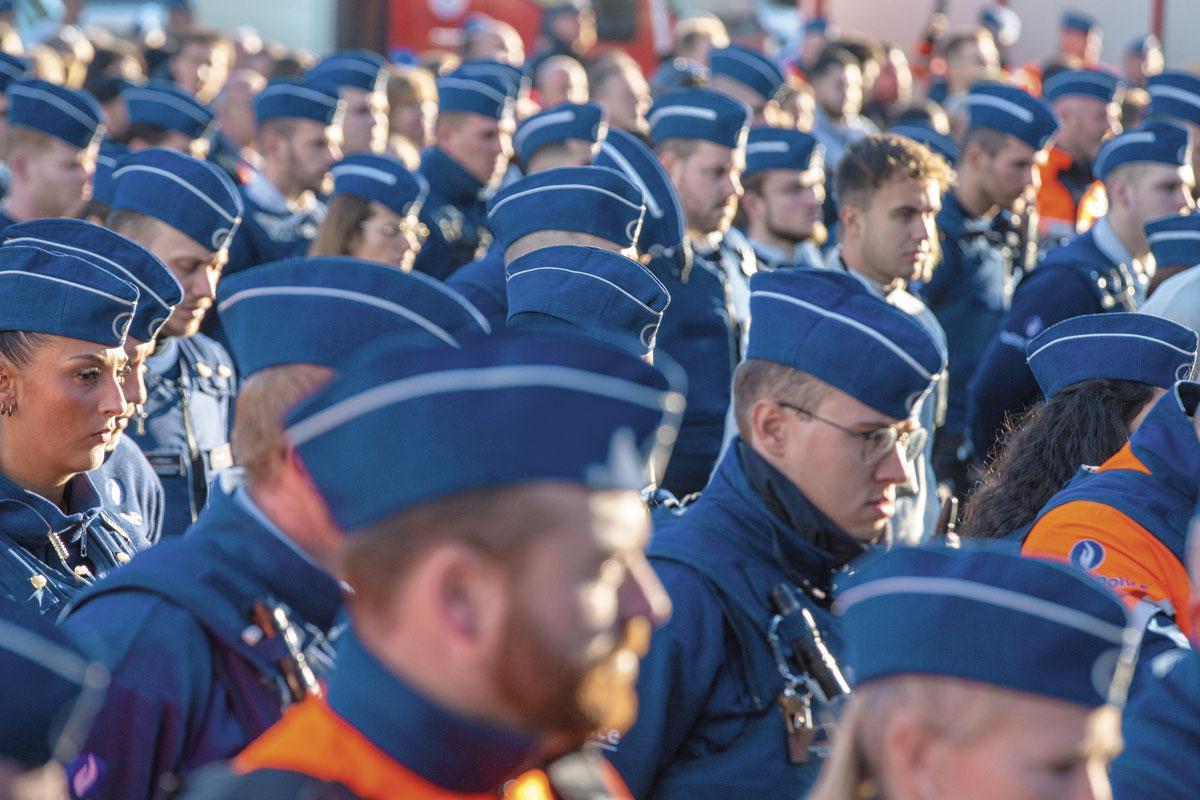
468, 424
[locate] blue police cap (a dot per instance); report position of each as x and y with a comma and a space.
12, 68
588, 291
1010, 110
1112, 346
1175, 239
514, 79
782, 148
699, 114
594, 200
164, 105
297, 98
68, 114
1175, 95
581, 121
382, 179
316, 310
1079, 21
1154, 142
359, 69
1095, 83
664, 228
195, 197
103, 185
748, 67
158, 291
49, 691
981, 615
49, 291
945, 146
678, 73
831, 326
505, 410
487, 97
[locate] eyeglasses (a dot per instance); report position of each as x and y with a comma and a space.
411, 228
877, 443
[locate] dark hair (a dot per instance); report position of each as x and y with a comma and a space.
875, 160
343, 217
18, 346
152, 135
131, 224
923, 112
989, 140
1083, 424
831, 58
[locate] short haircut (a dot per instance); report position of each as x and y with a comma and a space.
408, 86
609, 65
757, 379
960, 41
142, 228
152, 135
690, 30
678, 146
19, 138
990, 140
871, 162
502, 522
259, 441
831, 58
284, 128
861, 50
924, 112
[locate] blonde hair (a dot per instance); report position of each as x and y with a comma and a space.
263, 400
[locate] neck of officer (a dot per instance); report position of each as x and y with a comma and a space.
277, 173
972, 195
853, 259
20, 206
29, 473
289, 500
1128, 228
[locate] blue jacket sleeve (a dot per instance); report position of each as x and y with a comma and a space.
161, 673
1003, 384
676, 678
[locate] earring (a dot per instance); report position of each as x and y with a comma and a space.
6, 409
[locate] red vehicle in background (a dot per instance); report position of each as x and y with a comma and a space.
640, 27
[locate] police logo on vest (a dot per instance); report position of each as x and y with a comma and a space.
1087, 554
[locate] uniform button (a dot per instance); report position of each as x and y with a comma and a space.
122, 558
224, 371
38, 581
203, 370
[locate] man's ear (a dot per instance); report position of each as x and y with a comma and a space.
909, 756
752, 203
768, 432
670, 161
8, 382
850, 220
18, 164
471, 595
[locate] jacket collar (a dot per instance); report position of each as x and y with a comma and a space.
439, 745
448, 179
1166, 440
27, 517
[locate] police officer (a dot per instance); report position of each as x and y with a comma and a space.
1174, 292
931, 719
747, 75
299, 137
185, 211
62, 366
474, 132
586, 292
373, 212
1087, 103
129, 488
163, 115
880, 180
197, 634
1125, 522
969, 290
945, 146
517, 506
48, 124
806, 487
590, 206
699, 136
1099, 375
361, 78
781, 215
1147, 174
567, 135
1175, 96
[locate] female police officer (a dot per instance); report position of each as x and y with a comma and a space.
373, 212
63, 322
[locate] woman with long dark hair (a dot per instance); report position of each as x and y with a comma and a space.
1100, 373
63, 323
372, 213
